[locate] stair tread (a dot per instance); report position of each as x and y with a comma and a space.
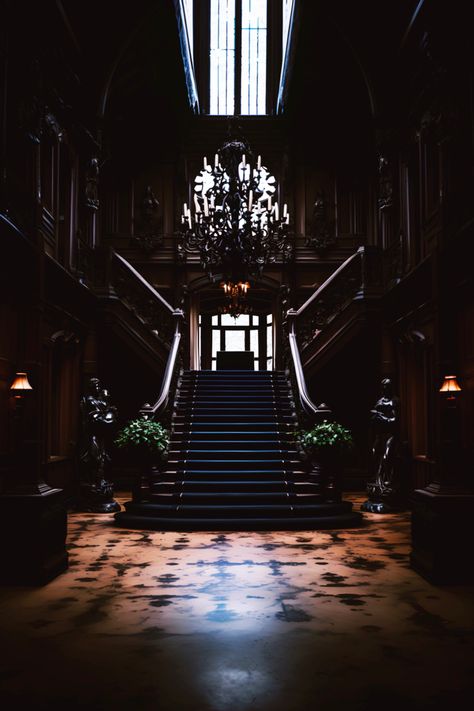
234, 451
229, 482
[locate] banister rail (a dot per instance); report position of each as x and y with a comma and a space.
116, 278
325, 285
163, 398
113, 277
146, 285
314, 412
173, 335
359, 276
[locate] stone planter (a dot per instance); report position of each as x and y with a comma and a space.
149, 466
326, 470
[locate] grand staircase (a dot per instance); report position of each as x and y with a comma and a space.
234, 463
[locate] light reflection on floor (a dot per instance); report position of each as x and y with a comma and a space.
234, 621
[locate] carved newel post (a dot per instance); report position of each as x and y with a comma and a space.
98, 418
385, 490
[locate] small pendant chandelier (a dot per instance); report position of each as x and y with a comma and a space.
234, 222
236, 295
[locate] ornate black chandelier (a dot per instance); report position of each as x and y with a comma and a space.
234, 222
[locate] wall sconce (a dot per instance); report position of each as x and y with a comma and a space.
20, 386
450, 386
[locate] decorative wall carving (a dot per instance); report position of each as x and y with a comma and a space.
321, 235
385, 181
92, 184
147, 223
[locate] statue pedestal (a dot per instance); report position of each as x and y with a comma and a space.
97, 499
378, 507
33, 530
382, 502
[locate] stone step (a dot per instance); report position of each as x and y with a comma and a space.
240, 485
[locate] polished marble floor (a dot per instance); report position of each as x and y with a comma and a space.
293, 621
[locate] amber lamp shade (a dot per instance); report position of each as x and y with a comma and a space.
20, 386
450, 385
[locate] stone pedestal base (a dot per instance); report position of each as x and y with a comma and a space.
97, 498
442, 534
379, 507
97, 507
33, 530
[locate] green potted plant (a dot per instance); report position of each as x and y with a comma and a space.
149, 441
327, 445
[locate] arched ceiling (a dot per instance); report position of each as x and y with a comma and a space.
129, 61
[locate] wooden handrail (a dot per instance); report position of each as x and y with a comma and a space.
146, 285
314, 411
328, 281
162, 401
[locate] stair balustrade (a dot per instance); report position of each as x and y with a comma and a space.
166, 324
116, 278
360, 277
113, 277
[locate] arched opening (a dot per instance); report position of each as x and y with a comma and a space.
252, 333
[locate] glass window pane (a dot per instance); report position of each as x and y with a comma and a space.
269, 341
287, 10
254, 341
188, 13
234, 340
222, 57
269, 318
254, 320
269, 363
254, 57
215, 320
228, 320
214, 364
216, 342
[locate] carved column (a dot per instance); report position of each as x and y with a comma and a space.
33, 520
443, 512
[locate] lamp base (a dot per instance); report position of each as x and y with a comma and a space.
33, 530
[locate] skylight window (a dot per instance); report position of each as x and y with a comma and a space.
188, 7
238, 57
222, 57
254, 57
287, 13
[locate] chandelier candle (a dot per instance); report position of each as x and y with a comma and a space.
236, 226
